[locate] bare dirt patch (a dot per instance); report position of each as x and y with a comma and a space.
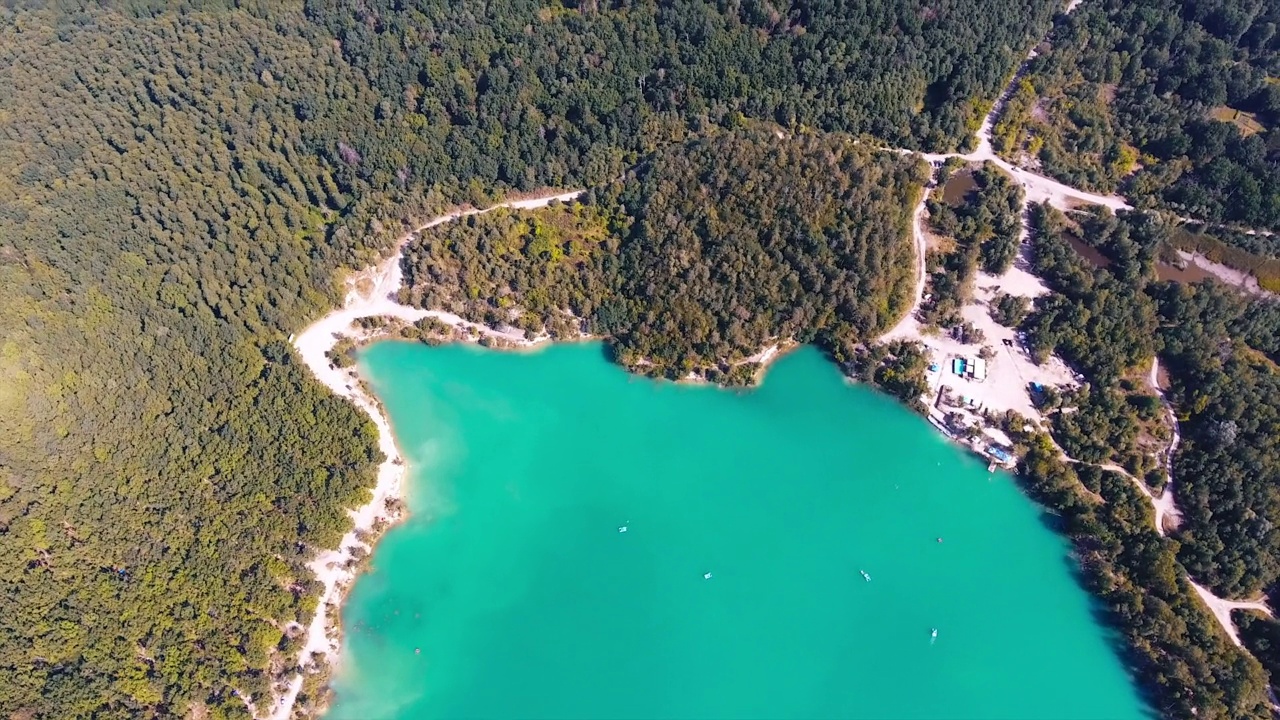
1247, 122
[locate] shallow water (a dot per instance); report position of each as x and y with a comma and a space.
510, 593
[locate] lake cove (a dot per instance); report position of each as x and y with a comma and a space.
738, 586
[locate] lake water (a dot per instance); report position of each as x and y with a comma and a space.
510, 592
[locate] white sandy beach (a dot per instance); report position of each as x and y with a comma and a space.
369, 294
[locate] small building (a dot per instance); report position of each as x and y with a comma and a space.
979, 369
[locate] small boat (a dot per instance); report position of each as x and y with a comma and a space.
934, 634
706, 576
623, 528
865, 575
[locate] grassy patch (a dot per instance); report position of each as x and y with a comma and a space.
1247, 122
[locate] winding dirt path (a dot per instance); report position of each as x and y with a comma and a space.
1165, 506
1036, 188
1221, 609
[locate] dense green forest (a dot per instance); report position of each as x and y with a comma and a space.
527, 93
1102, 322
182, 183
166, 466
1174, 102
1098, 319
701, 255
1186, 665
1219, 350
1229, 463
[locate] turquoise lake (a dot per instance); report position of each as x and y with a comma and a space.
510, 592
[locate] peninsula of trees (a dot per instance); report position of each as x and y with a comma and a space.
698, 257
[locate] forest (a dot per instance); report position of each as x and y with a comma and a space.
1230, 461
975, 214
525, 93
1219, 350
1186, 666
697, 258
1099, 320
167, 466
1176, 103
183, 184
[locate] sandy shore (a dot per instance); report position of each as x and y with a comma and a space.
370, 294
1010, 370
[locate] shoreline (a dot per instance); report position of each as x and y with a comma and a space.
1020, 281
369, 294
335, 568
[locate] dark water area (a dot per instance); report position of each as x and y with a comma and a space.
958, 188
1164, 271
1088, 252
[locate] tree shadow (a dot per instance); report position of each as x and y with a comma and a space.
1107, 620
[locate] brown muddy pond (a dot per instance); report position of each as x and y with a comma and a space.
958, 187
1086, 251
1192, 273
